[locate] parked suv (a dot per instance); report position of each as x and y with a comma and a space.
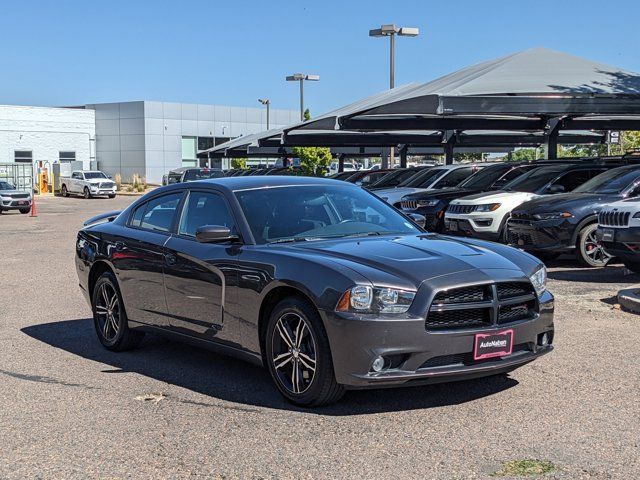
445, 176
485, 215
619, 231
191, 174
12, 199
565, 223
433, 203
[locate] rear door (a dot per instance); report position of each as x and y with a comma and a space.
200, 278
139, 258
75, 183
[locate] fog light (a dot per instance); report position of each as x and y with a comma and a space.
378, 364
544, 339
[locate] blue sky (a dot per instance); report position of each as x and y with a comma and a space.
235, 51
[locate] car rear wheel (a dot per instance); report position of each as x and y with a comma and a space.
298, 355
110, 317
87, 193
590, 252
64, 191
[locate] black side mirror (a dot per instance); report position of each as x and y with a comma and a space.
214, 234
555, 189
420, 220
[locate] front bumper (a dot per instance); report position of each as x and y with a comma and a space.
625, 243
434, 218
457, 225
15, 204
554, 235
102, 191
422, 356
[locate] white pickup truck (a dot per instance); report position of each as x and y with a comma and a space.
88, 184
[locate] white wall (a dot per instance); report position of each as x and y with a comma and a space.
46, 132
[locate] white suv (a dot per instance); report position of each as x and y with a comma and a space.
484, 215
619, 231
445, 176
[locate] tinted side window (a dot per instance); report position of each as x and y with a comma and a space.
571, 180
157, 214
204, 209
454, 178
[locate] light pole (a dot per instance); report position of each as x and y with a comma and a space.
301, 77
267, 102
391, 31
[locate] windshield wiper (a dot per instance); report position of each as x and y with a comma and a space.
291, 240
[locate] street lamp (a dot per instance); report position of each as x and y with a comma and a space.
267, 102
391, 31
301, 77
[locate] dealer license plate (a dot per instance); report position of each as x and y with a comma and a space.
452, 226
489, 345
22, 202
608, 234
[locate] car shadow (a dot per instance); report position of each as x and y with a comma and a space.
226, 378
610, 274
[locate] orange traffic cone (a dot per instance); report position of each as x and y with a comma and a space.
34, 210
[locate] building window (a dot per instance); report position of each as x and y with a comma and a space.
66, 157
189, 158
221, 140
205, 143
23, 156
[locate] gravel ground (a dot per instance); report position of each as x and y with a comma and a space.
70, 409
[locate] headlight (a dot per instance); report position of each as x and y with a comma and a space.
636, 215
366, 299
488, 207
539, 279
428, 203
552, 215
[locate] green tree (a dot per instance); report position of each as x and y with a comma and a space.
239, 163
313, 160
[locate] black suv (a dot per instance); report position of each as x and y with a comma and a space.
564, 223
433, 203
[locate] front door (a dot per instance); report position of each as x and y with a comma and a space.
200, 278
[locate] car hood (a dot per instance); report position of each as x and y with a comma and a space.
566, 202
11, 192
416, 258
393, 195
442, 193
496, 197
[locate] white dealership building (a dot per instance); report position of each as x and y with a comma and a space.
144, 137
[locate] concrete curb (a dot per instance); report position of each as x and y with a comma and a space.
629, 299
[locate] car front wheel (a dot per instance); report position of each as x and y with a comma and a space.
590, 252
25, 210
298, 354
110, 317
87, 193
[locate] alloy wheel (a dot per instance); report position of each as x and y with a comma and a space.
594, 251
108, 311
294, 352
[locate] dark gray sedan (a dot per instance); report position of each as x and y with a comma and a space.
320, 281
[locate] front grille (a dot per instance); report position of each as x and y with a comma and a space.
454, 208
409, 204
480, 306
18, 196
520, 216
612, 218
106, 185
467, 358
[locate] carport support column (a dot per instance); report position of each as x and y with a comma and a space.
551, 138
341, 162
403, 156
448, 142
384, 157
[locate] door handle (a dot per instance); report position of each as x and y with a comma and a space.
170, 259
120, 246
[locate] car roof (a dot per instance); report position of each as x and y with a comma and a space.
254, 182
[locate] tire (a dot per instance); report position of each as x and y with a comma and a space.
632, 265
86, 192
112, 196
294, 321
109, 316
64, 191
25, 210
590, 253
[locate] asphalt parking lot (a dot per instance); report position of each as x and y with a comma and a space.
70, 409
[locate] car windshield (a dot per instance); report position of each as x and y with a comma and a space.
613, 181
6, 186
311, 212
423, 179
393, 179
485, 177
202, 174
534, 179
94, 175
